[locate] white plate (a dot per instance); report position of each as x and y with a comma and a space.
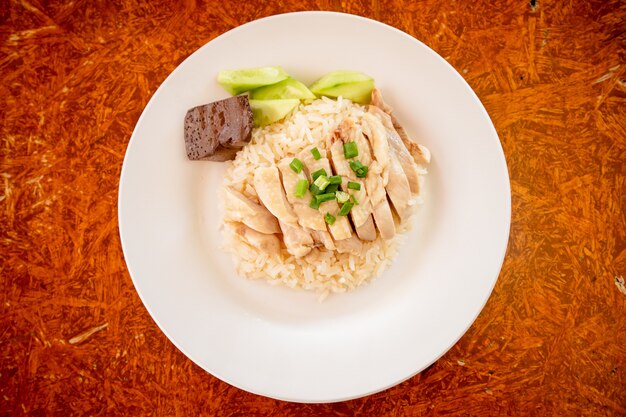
282, 343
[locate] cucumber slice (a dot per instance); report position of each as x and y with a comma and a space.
287, 88
360, 92
335, 78
240, 80
265, 112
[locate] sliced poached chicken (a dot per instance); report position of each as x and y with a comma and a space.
361, 213
378, 175
270, 190
239, 208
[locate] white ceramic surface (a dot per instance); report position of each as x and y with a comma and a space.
282, 343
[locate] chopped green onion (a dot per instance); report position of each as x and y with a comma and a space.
314, 204
322, 182
322, 198
345, 209
359, 169
342, 197
335, 179
330, 219
314, 189
332, 188
296, 165
354, 185
350, 150
301, 187
316, 154
317, 173
354, 200
355, 165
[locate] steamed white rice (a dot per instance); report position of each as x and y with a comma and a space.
321, 271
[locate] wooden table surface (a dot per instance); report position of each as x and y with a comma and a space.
76, 75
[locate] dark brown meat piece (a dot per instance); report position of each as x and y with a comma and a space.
216, 131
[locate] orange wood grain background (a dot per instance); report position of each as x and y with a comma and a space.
75, 76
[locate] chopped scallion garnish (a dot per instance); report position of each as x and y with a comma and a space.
359, 169
314, 203
301, 187
322, 198
350, 150
332, 188
317, 173
354, 200
316, 154
335, 179
354, 185
342, 197
345, 209
322, 182
330, 219
314, 189
296, 165
356, 165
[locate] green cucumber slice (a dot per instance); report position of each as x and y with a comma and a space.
240, 80
359, 92
270, 111
335, 78
287, 88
